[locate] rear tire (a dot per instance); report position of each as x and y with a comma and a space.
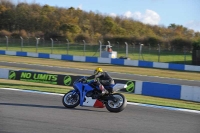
71, 101
116, 106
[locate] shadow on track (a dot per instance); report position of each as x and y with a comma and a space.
46, 106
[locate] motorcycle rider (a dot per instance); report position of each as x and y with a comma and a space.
102, 79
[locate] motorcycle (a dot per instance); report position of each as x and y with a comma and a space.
87, 93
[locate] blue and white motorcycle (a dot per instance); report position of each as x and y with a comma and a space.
86, 93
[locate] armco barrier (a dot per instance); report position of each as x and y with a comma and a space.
191, 93
125, 62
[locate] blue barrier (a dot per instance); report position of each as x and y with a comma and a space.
67, 57
145, 64
3, 52
43, 55
117, 61
161, 90
91, 59
21, 53
176, 66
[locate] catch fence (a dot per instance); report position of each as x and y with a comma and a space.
132, 51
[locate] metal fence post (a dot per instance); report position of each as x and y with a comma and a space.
67, 45
158, 52
133, 48
51, 45
184, 50
37, 42
22, 41
6, 42
149, 48
28, 40
100, 48
126, 49
43, 42
84, 47
118, 46
140, 51
149, 51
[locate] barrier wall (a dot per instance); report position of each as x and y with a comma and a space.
139, 63
4, 73
190, 93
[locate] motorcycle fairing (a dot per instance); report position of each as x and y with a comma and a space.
87, 101
115, 87
93, 102
119, 86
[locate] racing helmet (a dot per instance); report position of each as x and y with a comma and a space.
97, 70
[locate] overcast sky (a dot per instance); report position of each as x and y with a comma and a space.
154, 12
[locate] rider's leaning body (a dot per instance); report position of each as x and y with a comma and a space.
102, 77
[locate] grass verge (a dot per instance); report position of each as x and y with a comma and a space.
130, 97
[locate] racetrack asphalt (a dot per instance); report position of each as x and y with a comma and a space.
25, 112
77, 71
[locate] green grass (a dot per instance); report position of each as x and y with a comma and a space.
130, 97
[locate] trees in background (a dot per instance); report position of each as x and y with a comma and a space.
45, 21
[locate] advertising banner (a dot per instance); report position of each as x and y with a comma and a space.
56, 79
130, 85
39, 77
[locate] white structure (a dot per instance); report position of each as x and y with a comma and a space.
107, 53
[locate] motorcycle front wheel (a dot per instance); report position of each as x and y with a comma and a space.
118, 104
71, 100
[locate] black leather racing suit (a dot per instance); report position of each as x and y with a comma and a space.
103, 78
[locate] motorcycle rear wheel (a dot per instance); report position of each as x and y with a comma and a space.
71, 101
118, 105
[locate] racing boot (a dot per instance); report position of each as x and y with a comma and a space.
103, 90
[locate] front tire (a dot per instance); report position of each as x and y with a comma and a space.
118, 105
71, 101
